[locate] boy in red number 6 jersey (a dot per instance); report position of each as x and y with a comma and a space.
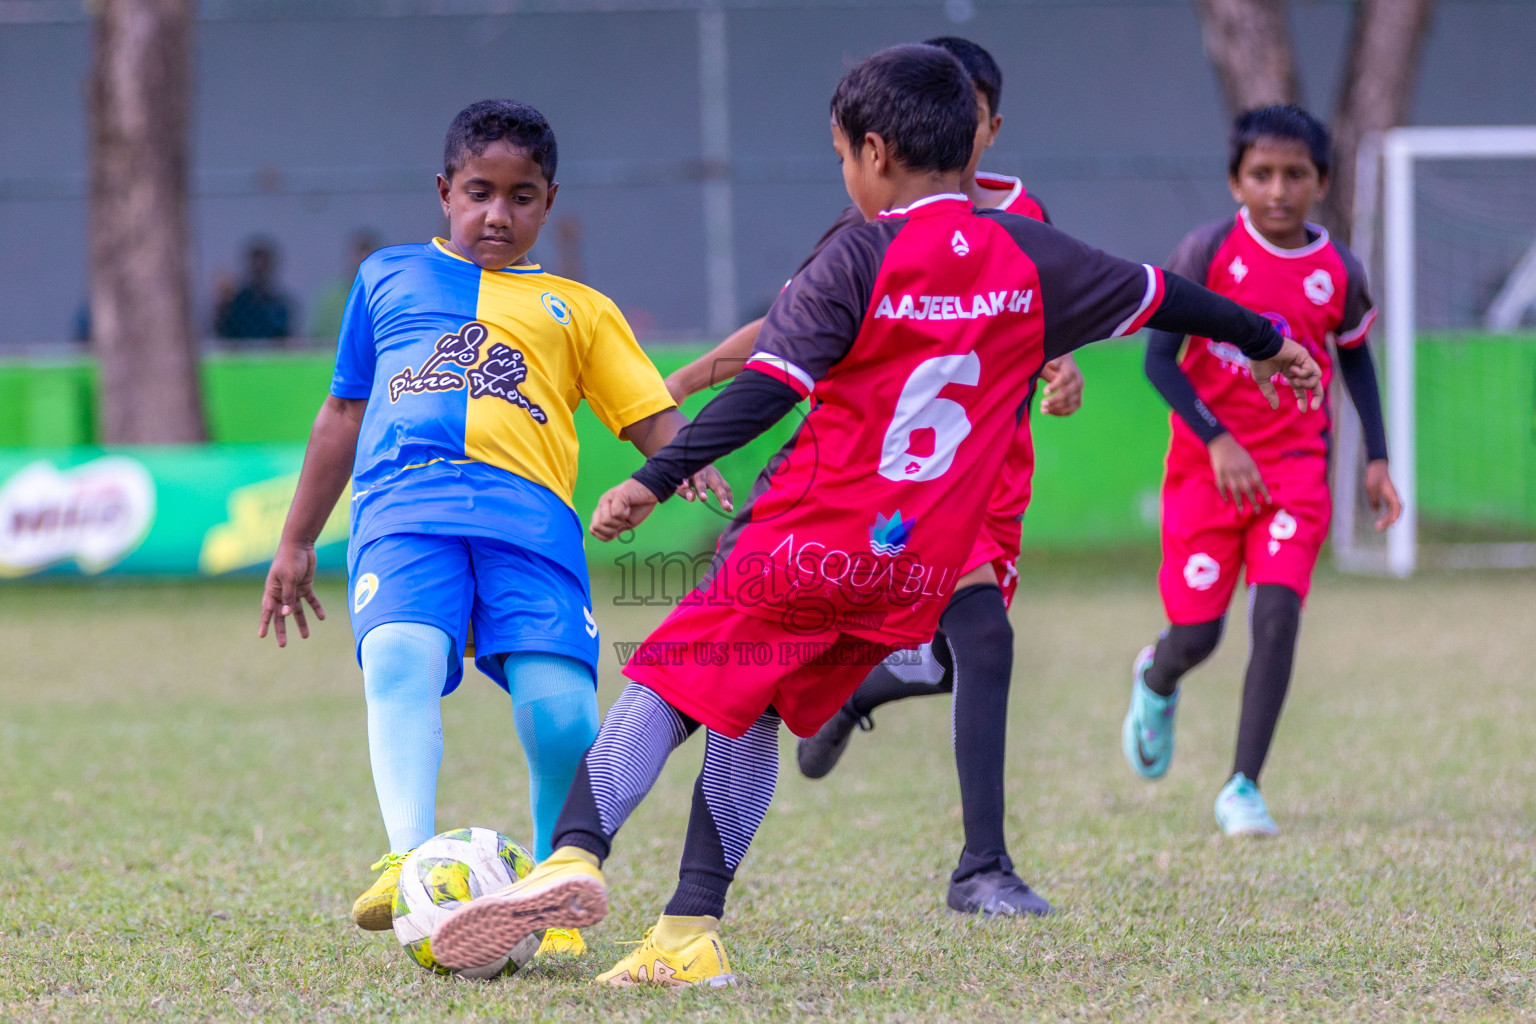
916, 335
1245, 488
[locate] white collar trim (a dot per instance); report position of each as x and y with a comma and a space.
1004, 180
1311, 247
940, 197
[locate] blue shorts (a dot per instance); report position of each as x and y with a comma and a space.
515, 599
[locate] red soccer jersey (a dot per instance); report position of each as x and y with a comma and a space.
1015, 485
1310, 294
918, 334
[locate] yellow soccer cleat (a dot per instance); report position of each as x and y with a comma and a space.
562, 942
374, 910
565, 891
676, 952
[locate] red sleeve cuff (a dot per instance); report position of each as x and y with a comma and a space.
1352, 338
781, 369
1150, 300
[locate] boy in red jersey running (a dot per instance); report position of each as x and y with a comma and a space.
1245, 488
974, 629
918, 333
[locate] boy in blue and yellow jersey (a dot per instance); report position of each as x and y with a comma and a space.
458, 368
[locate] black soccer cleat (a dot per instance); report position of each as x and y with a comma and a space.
819, 754
996, 894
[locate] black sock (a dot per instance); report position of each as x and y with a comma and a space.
1274, 618
730, 798
1179, 649
981, 642
882, 686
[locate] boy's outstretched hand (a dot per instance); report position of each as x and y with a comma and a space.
623, 508
1300, 370
707, 479
290, 582
1382, 495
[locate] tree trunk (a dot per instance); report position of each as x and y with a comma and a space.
141, 308
1383, 63
1249, 42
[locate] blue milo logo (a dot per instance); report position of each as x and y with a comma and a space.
556, 306
890, 536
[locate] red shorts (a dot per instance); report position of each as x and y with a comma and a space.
1206, 540
724, 668
997, 544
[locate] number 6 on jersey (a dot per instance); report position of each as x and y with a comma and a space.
926, 430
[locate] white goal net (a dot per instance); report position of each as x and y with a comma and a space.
1445, 222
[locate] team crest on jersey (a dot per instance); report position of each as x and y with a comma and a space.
499, 376
460, 348
556, 307
1318, 286
1201, 571
890, 536
960, 245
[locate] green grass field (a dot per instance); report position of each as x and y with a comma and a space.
186, 814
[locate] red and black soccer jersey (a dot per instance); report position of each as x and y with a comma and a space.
916, 335
1010, 498
1310, 294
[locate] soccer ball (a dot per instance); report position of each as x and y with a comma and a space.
448, 871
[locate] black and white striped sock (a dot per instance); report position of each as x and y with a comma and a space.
730, 800
636, 738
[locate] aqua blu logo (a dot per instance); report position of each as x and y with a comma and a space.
890, 536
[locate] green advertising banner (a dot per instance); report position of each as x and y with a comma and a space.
208, 510
73, 509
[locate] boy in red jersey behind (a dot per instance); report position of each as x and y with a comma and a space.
918, 333
1246, 488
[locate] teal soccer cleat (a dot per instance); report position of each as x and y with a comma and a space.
1147, 735
1240, 809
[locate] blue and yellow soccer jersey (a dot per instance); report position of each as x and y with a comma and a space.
472, 377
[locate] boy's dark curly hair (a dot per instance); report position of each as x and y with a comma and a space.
480, 124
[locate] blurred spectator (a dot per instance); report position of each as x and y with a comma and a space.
254, 308
325, 322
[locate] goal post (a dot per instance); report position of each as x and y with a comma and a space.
1389, 167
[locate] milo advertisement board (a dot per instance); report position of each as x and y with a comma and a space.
208, 511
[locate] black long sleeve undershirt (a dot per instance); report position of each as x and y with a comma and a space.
1359, 373
1188, 308
1162, 368
749, 405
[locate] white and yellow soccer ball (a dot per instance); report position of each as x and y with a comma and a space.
446, 872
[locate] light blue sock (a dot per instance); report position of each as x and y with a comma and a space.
555, 707
404, 667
